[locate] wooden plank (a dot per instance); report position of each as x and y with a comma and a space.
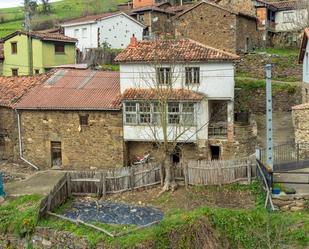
104, 185
69, 185
85, 180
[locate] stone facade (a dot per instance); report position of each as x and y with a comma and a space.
219, 28
301, 125
8, 134
96, 145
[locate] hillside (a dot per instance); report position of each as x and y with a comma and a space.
11, 19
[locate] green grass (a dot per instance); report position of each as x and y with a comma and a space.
60, 11
280, 51
20, 215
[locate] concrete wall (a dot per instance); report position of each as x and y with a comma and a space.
100, 144
88, 39
117, 31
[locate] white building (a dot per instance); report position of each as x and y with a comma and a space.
114, 29
199, 83
291, 19
304, 59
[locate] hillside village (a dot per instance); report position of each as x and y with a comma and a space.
154, 124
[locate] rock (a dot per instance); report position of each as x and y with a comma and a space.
306, 197
299, 204
290, 191
46, 243
281, 203
285, 208
1, 200
295, 209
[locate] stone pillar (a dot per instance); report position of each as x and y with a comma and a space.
230, 121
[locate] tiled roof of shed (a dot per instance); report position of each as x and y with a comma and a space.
13, 88
155, 94
172, 50
287, 5
43, 36
75, 90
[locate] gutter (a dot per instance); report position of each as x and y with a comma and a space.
20, 143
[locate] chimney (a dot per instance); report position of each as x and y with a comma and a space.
133, 42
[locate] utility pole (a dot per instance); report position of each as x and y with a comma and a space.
28, 29
269, 118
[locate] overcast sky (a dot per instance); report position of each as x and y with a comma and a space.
14, 3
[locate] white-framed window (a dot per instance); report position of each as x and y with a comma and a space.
192, 75
164, 75
288, 16
141, 113
76, 33
84, 32
130, 112
140, 17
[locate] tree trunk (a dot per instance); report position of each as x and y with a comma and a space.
169, 180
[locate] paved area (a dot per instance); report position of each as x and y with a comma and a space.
41, 182
300, 188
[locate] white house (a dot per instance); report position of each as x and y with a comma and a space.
304, 59
115, 29
292, 18
199, 83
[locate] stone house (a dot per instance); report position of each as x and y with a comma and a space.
218, 26
44, 51
73, 120
11, 90
195, 83
113, 28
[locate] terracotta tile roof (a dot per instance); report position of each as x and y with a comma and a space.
154, 94
172, 50
179, 8
151, 8
288, 5
301, 107
13, 88
75, 90
1, 51
90, 18
43, 36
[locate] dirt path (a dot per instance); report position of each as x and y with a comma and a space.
40, 183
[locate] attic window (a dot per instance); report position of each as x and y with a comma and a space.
14, 72
14, 47
59, 48
83, 120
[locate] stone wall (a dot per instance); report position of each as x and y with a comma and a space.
97, 145
254, 100
245, 6
294, 203
301, 125
291, 39
8, 134
209, 25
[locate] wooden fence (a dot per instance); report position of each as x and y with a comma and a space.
101, 183
219, 172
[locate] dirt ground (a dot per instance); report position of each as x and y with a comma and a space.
210, 196
15, 171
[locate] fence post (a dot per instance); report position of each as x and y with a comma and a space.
132, 180
49, 202
104, 184
100, 189
68, 185
185, 172
249, 171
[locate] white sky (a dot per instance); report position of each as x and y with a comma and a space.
14, 3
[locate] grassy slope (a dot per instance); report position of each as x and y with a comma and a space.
63, 10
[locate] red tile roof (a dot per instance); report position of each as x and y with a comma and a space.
91, 18
43, 36
75, 90
154, 94
13, 88
288, 5
185, 50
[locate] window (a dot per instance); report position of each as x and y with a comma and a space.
84, 32
140, 17
173, 113
192, 75
288, 17
14, 72
14, 47
83, 120
187, 113
144, 113
59, 48
76, 33
56, 157
130, 113
164, 75
37, 71
156, 119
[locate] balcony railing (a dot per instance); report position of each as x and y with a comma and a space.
217, 129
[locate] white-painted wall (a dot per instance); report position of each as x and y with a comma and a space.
87, 38
306, 65
291, 19
216, 83
118, 30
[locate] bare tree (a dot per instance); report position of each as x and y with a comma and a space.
46, 6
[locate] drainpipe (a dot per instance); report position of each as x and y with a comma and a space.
20, 143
